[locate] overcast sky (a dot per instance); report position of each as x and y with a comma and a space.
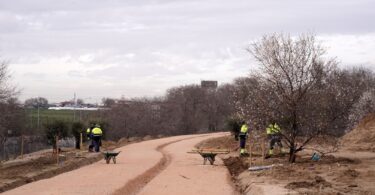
132, 48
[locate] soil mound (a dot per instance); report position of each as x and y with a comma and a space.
362, 137
318, 182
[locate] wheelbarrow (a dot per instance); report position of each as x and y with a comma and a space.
108, 155
209, 154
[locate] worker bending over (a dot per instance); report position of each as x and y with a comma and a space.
274, 137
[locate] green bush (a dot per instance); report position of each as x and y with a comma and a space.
234, 125
56, 128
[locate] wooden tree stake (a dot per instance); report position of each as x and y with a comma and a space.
250, 150
262, 144
57, 150
81, 142
22, 146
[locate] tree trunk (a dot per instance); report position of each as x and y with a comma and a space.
78, 142
292, 154
54, 147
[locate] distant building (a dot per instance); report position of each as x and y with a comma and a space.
70, 105
209, 84
72, 108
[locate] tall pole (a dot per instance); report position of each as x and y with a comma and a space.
263, 150
38, 117
250, 154
4, 155
22, 145
57, 149
74, 107
81, 141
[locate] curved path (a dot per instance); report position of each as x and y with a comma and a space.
187, 175
159, 166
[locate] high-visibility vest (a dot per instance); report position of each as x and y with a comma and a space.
88, 131
97, 131
273, 129
244, 128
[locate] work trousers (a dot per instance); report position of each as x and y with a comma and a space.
91, 145
242, 140
275, 139
97, 142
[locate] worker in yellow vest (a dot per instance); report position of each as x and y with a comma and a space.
97, 134
243, 136
274, 136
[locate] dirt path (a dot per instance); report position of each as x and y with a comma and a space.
187, 175
137, 165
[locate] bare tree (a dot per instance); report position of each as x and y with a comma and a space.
184, 110
38, 102
6, 89
108, 102
80, 102
291, 72
362, 108
342, 90
10, 118
134, 117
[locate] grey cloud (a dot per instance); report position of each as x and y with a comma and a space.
192, 36
77, 74
35, 76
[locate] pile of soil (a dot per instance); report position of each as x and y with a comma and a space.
362, 137
227, 142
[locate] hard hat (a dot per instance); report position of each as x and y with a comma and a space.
97, 125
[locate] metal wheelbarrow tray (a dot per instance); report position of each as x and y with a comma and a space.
209, 154
108, 155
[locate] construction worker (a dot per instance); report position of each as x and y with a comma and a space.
96, 137
243, 136
274, 135
89, 136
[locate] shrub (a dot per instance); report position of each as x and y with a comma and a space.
56, 128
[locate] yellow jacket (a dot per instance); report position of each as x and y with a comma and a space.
244, 128
273, 129
97, 131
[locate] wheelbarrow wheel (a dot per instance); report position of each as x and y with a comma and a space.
212, 160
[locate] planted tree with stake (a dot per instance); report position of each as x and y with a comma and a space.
288, 86
59, 129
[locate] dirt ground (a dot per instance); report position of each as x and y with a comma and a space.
362, 137
160, 166
342, 172
43, 164
186, 174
